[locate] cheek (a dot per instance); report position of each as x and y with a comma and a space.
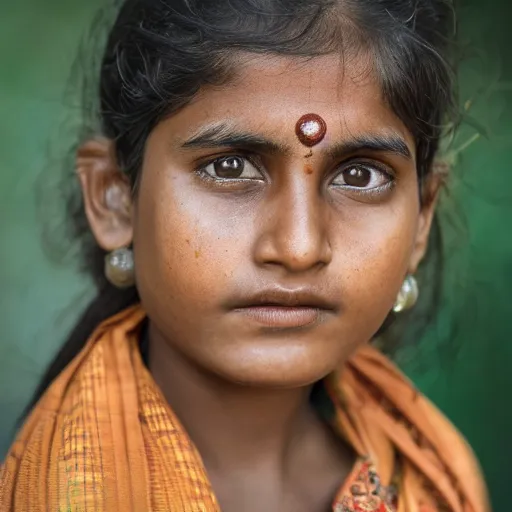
373, 253
186, 246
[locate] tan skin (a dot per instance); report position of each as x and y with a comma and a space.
290, 228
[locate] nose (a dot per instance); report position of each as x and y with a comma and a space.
293, 232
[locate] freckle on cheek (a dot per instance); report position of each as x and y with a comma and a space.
308, 169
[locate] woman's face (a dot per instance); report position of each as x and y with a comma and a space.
265, 261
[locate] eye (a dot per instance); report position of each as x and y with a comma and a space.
362, 176
232, 168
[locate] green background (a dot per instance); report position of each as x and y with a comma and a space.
463, 361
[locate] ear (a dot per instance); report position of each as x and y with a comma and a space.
107, 194
431, 188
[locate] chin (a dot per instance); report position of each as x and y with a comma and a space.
277, 366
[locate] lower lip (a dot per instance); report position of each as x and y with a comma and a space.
281, 317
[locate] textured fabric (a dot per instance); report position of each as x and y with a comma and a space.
103, 438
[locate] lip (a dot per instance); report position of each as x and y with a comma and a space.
283, 308
281, 317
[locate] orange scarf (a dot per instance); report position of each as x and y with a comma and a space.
103, 439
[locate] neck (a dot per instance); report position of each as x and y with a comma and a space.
234, 427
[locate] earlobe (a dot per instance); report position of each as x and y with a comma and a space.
106, 193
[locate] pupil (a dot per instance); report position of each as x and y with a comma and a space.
229, 167
357, 177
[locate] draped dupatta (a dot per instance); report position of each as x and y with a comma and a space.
103, 439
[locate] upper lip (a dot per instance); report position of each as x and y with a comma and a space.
284, 297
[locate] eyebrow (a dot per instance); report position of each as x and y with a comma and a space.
393, 144
223, 135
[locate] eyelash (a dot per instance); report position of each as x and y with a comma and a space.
256, 162
384, 170
201, 173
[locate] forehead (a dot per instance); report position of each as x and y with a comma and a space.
270, 93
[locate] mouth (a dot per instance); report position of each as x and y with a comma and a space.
279, 308
281, 317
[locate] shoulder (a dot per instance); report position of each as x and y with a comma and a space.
396, 418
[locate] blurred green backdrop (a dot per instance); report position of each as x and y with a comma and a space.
40, 300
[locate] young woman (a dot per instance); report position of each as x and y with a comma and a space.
260, 193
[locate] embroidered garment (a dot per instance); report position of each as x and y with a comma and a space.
103, 439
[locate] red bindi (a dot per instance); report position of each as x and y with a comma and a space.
310, 129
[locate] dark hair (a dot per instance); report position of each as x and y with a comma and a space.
159, 53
